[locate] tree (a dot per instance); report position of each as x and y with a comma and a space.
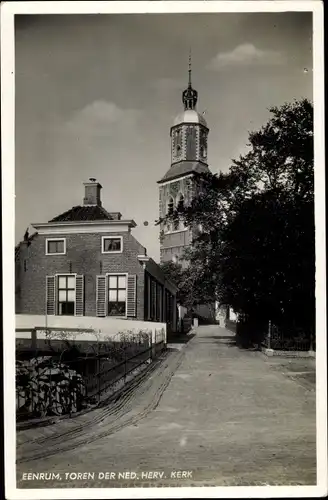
174, 272
267, 261
267, 265
281, 154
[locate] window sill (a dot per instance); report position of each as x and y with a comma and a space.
56, 253
116, 317
113, 251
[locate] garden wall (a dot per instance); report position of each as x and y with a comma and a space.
105, 327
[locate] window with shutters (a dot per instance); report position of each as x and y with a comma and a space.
112, 244
66, 295
117, 295
55, 246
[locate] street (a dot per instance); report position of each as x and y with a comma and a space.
210, 414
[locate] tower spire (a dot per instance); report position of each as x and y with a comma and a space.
189, 96
189, 70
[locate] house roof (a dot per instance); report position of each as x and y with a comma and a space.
84, 213
184, 168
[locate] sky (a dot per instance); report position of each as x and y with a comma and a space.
96, 96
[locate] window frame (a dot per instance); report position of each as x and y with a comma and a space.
111, 237
126, 294
57, 289
55, 239
154, 307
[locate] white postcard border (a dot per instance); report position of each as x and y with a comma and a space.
8, 10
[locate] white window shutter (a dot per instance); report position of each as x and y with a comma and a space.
131, 296
50, 295
101, 296
79, 295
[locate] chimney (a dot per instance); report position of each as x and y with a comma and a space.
92, 193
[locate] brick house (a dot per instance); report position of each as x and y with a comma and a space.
86, 262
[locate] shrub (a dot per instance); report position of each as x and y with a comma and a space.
46, 386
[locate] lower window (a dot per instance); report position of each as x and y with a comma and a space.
116, 295
66, 295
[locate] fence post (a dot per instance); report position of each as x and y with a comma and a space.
33, 339
124, 365
311, 341
152, 346
269, 334
98, 375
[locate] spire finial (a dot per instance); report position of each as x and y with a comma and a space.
189, 70
190, 95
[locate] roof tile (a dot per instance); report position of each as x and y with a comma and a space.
83, 213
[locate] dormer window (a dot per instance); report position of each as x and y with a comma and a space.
112, 244
55, 246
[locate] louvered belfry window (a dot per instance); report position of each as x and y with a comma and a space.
116, 295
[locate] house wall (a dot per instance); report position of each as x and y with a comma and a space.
156, 271
84, 257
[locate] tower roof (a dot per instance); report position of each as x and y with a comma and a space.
183, 168
189, 99
190, 116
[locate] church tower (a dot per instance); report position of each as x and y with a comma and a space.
189, 134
